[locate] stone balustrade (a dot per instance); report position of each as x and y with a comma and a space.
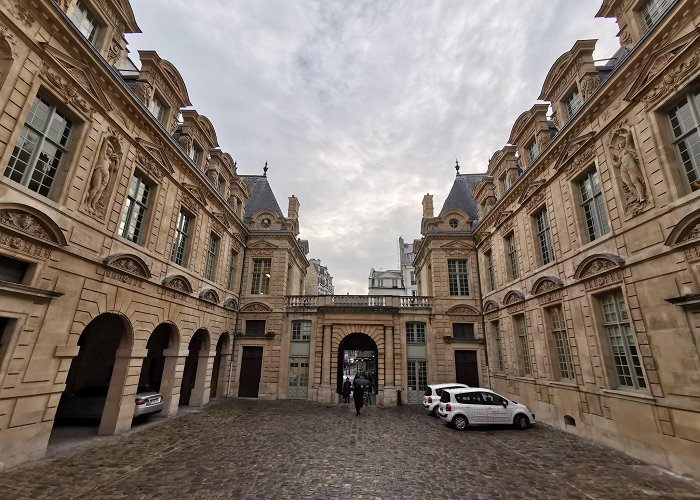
359, 301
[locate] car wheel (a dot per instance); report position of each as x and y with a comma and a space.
459, 422
434, 412
521, 422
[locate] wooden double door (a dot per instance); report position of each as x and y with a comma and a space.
251, 366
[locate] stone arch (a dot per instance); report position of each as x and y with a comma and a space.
130, 263
100, 370
513, 296
208, 129
362, 342
545, 284
687, 229
598, 263
210, 295
164, 336
518, 126
194, 376
230, 304
220, 368
491, 305
462, 310
176, 81
32, 223
256, 307
556, 71
178, 282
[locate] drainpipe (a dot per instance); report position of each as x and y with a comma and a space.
235, 323
483, 319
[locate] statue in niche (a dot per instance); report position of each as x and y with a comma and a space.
625, 158
106, 162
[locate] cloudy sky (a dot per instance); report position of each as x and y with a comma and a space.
361, 107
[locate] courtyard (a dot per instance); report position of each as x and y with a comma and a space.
244, 448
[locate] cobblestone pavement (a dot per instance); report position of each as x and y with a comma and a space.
299, 450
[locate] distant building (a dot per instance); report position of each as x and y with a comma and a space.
408, 272
385, 282
318, 280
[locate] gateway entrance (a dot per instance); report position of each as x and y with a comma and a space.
357, 360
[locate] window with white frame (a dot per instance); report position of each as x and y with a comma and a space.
181, 236
231, 269
544, 237
623, 345
41, 146
511, 257
532, 151
523, 344
86, 22
652, 11
562, 350
261, 277
301, 330
496, 332
685, 124
135, 208
592, 205
490, 276
573, 102
157, 108
212, 254
458, 277
415, 333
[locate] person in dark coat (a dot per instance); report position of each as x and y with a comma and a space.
347, 389
358, 394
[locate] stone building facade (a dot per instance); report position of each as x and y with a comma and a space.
318, 279
131, 250
588, 244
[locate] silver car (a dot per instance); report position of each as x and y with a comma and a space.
88, 402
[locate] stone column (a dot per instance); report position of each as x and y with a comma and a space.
326, 391
224, 373
202, 382
389, 392
172, 379
119, 407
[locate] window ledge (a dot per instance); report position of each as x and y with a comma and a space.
630, 395
30, 291
525, 378
564, 385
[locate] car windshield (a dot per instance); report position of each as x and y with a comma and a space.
445, 397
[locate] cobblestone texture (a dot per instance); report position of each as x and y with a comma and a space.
299, 450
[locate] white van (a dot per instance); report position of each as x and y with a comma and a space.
431, 396
478, 406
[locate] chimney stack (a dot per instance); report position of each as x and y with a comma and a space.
293, 209
428, 206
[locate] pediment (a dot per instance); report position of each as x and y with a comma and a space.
546, 284
129, 263
571, 148
196, 192
222, 218
490, 306
687, 229
660, 60
513, 297
462, 310
157, 154
81, 73
530, 189
32, 223
179, 283
230, 304
209, 295
456, 245
597, 264
256, 307
262, 244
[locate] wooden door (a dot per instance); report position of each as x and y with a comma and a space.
249, 382
467, 368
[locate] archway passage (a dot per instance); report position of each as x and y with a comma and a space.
220, 368
93, 386
194, 373
163, 337
358, 357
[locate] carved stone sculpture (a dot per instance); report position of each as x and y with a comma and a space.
588, 85
107, 161
625, 159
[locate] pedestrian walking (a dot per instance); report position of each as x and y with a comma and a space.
358, 394
347, 389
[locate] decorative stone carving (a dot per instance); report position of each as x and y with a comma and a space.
597, 264
26, 223
69, 91
513, 296
588, 85
549, 297
124, 278
186, 143
546, 284
24, 245
7, 35
603, 280
230, 304
129, 263
209, 295
256, 307
692, 253
625, 160
692, 234
462, 310
179, 283
142, 89
23, 14
106, 165
115, 51
490, 306
673, 78
581, 160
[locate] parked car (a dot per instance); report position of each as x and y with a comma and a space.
478, 406
431, 396
88, 402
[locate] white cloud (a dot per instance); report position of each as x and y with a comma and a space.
361, 107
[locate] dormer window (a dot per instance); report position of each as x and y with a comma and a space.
652, 11
503, 182
196, 154
157, 109
573, 103
453, 223
86, 23
532, 152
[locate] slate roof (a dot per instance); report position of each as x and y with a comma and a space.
461, 196
261, 197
